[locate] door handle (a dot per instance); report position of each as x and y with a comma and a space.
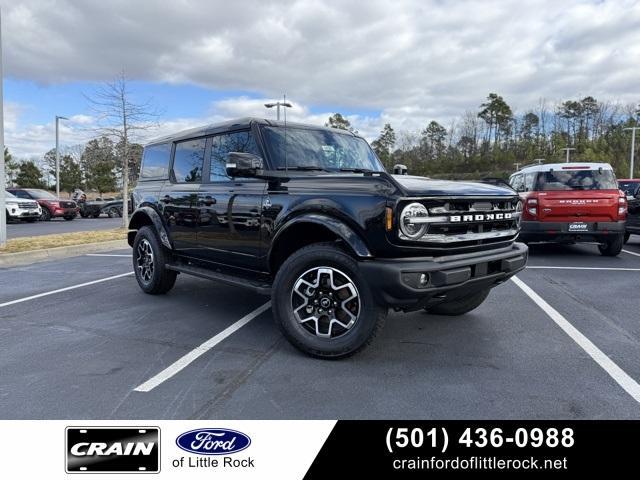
166, 199
208, 201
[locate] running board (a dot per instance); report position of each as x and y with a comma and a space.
261, 288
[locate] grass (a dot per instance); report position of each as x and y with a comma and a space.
24, 244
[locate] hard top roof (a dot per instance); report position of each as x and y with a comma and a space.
545, 167
238, 124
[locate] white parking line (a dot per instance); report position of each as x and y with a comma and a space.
613, 269
59, 290
184, 361
631, 253
106, 255
609, 366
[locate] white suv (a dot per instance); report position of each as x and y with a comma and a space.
21, 208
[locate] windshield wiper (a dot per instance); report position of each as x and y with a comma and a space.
303, 168
356, 170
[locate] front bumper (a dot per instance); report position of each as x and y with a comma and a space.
561, 232
395, 282
23, 213
64, 212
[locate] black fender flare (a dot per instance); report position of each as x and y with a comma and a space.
138, 220
338, 227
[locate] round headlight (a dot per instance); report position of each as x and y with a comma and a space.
410, 212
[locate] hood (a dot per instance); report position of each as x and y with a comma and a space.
422, 186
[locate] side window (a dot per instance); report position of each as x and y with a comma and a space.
21, 194
155, 161
517, 183
529, 180
188, 161
221, 145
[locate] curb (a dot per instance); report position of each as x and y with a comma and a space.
35, 256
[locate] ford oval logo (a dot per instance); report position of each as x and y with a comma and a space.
213, 441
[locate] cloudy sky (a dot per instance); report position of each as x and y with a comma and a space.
403, 62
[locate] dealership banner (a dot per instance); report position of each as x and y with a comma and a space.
312, 449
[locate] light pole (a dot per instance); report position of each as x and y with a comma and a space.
3, 215
279, 104
58, 118
633, 147
568, 150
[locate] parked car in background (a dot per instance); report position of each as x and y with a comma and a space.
633, 215
628, 185
572, 202
21, 209
93, 208
51, 205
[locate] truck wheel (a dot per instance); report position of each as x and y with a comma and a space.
460, 306
69, 217
627, 235
612, 247
323, 304
149, 260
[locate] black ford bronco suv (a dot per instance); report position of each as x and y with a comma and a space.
309, 215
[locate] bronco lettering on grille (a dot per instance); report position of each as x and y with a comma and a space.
480, 217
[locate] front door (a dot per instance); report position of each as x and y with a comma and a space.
229, 231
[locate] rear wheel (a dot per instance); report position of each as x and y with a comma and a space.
69, 217
149, 263
323, 304
627, 235
460, 306
612, 247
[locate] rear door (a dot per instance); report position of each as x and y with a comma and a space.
179, 197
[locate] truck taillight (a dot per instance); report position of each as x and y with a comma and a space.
622, 207
532, 206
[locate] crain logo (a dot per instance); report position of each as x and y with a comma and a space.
481, 217
213, 441
113, 450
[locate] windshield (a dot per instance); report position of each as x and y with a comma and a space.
576, 180
9, 195
628, 187
41, 194
319, 149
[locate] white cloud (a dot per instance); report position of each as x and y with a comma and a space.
413, 60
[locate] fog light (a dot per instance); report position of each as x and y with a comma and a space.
424, 279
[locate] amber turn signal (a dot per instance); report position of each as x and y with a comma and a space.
388, 223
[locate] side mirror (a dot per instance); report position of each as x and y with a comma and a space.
240, 164
521, 188
399, 169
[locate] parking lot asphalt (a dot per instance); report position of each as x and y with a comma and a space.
84, 352
60, 225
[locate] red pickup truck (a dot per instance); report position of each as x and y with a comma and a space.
572, 202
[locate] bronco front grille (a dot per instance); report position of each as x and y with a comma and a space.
460, 222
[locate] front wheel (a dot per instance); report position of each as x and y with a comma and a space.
460, 306
69, 217
323, 304
45, 216
149, 263
612, 247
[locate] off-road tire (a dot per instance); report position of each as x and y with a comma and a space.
613, 247
69, 217
460, 306
161, 280
370, 319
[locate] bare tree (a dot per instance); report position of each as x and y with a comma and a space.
122, 119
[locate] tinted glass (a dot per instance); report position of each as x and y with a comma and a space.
155, 161
22, 194
41, 195
576, 180
628, 187
188, 160
221, 145
9, 195
529, 180
300, 147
